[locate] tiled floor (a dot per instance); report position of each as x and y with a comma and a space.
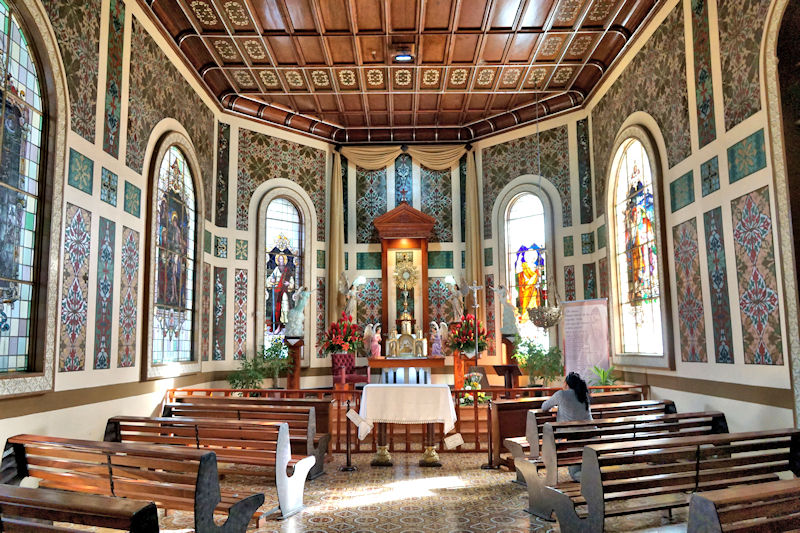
457, 498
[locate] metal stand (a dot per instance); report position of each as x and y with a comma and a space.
490, 465
348, 466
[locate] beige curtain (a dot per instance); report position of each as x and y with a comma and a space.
335, 241
474, 240
372, 157
437, 157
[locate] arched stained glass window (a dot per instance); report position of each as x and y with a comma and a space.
174, 262
526, 254
638, 285
283, 245
20, 189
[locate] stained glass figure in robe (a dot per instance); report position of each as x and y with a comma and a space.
284, 263
174, 262
22, 117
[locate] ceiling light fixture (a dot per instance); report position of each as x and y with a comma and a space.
403, 56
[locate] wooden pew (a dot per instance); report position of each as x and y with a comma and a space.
174, 478
33, 510
563, 442
301, 420
659, 474
322, 406
517, 434
260, 444
773, 507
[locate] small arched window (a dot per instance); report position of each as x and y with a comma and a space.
175, 219
638, 294
283, 275
21, 161
526, 260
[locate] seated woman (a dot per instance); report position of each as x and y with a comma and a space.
573, 405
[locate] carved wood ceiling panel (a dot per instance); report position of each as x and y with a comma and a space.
326, 68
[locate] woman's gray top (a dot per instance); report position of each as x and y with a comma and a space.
569, 408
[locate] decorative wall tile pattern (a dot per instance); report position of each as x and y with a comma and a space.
440, 259
221, 247
108, 186
262, 157
691, 319
741, 24
704, 90
585, 173
207, 241
709, 176
345, 202
587, 243
105, 294
81, 171
368, 260
116, 38
601, 237
490, 315
655, 82
369, 302
320, 258
569, 283
172, 96
437, 202
603, 282
589, 281
77, 29
402, 178
205, 314
569, 246
462, 193
681, 191
242, 249
746, 157
128, 297
239, 313
133, 199
504, 162
370, 203
758, 286
718, 279
223, 163
320, 300
439, 293
75, 289
219, 314
488, 257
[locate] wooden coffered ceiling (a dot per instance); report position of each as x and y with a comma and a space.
326, 67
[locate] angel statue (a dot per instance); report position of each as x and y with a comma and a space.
372, 340
350, 293
457, 296
295, 320
509, 319
438, 338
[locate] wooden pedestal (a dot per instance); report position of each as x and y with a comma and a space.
293, 378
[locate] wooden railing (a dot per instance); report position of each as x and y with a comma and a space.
472, 413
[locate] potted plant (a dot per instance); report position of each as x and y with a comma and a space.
343, 336
271, 361
605, 376
537, 361
462, 335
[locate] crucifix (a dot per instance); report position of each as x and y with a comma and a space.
404, 192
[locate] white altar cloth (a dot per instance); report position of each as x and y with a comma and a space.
406, 404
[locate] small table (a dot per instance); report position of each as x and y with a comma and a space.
406, 404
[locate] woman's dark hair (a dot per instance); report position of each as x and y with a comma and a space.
576, 383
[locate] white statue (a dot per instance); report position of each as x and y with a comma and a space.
295, 320
350, 293
392, 344
457, 300
438, 337
509, 319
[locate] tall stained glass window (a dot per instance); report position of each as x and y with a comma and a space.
526, 253
174, 264
638, 294
20, 187
284, 263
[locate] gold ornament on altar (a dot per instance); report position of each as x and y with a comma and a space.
405, 277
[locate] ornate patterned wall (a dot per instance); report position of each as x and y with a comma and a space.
129, 294
718, 279
704, 88
437, 201
105, 294
75, 289
370, 203
240, 313
654, 82
219, 324
113, 105
223, 158
691, 325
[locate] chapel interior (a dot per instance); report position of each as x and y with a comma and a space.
330, 265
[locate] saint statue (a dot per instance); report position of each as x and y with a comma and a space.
509, 319
350, 293
296, 317
375, 343
457, 300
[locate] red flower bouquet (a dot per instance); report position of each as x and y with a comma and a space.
462, 335
343, 336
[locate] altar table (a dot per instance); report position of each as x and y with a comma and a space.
406, 370
406, 404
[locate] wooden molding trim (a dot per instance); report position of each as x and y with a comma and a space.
774, 397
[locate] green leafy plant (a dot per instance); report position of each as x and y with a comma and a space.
604, 376
538, 362
271, 361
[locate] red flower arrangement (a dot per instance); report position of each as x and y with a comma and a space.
343, 336
462, 335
